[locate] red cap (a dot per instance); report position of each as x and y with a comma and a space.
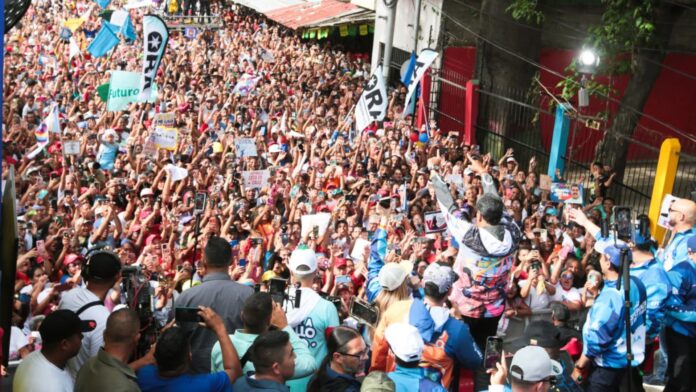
72, 258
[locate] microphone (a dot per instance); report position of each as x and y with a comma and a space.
298, 297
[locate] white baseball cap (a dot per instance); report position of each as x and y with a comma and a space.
146, 192
303, 261
405, 341
392, 275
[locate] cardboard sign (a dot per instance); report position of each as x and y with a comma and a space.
150, 149
71, 147
566, 193
166, 120
359, 249
320, 220
166, 137
245, 147
256, 178
545, 182
663, 220
435, 222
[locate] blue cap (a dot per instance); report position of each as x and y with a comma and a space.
691, 244
613, 253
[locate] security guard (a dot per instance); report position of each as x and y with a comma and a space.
604, 333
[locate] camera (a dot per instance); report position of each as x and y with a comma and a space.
278, 288
364, 312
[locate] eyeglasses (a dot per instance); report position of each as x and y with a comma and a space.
361, 354
673, 210
551, 380
568, 276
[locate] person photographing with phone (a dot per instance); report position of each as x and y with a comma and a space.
531, 370
603, 362
173, 358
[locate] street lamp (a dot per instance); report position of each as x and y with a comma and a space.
588, 61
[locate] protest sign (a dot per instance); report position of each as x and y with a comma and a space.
124, 88
435, 222
320, 220
545, 182
71, 147
663, 220
166, 137
150, 148
357, 254
177, 173
255, 178
166, 120
566, 193
245, 147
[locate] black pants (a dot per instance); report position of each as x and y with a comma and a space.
614, 380
190, 7
681, 362
204, 7
482, 328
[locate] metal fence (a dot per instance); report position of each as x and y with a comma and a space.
512, 119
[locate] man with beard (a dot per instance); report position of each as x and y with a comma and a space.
682, 216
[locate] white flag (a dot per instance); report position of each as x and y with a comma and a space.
425, 59
372, 105
52, 121
155, 37
74, 49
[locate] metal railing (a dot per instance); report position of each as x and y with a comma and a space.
514, 120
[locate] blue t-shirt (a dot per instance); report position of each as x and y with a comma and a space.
150, 380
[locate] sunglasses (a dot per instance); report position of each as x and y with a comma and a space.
567, 276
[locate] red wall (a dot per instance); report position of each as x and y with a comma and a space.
672, 101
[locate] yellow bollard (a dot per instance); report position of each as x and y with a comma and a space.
665, 173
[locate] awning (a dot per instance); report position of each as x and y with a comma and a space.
268, 5
320, 13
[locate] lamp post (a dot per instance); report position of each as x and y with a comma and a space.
588, 61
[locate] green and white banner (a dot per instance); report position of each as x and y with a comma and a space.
124, 88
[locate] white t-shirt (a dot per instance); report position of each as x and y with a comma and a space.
572, 295
18, 340
92, 341
36, 373
534, 300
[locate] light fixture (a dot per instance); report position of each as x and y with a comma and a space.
588, 61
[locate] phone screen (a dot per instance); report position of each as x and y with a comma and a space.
277, 290
494, 349
187, 315
364, 312
200, 201
343, 279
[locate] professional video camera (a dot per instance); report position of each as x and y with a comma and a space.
138, 295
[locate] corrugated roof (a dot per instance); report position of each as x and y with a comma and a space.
264, 6
313, 13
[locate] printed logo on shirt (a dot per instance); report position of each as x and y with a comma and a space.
307, 332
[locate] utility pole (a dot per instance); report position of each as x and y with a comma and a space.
389, 39
416, 27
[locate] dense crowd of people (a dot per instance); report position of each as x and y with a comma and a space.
312, 256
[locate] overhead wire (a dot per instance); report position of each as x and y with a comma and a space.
560, 75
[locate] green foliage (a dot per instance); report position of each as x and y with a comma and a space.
526, 10
626, 26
